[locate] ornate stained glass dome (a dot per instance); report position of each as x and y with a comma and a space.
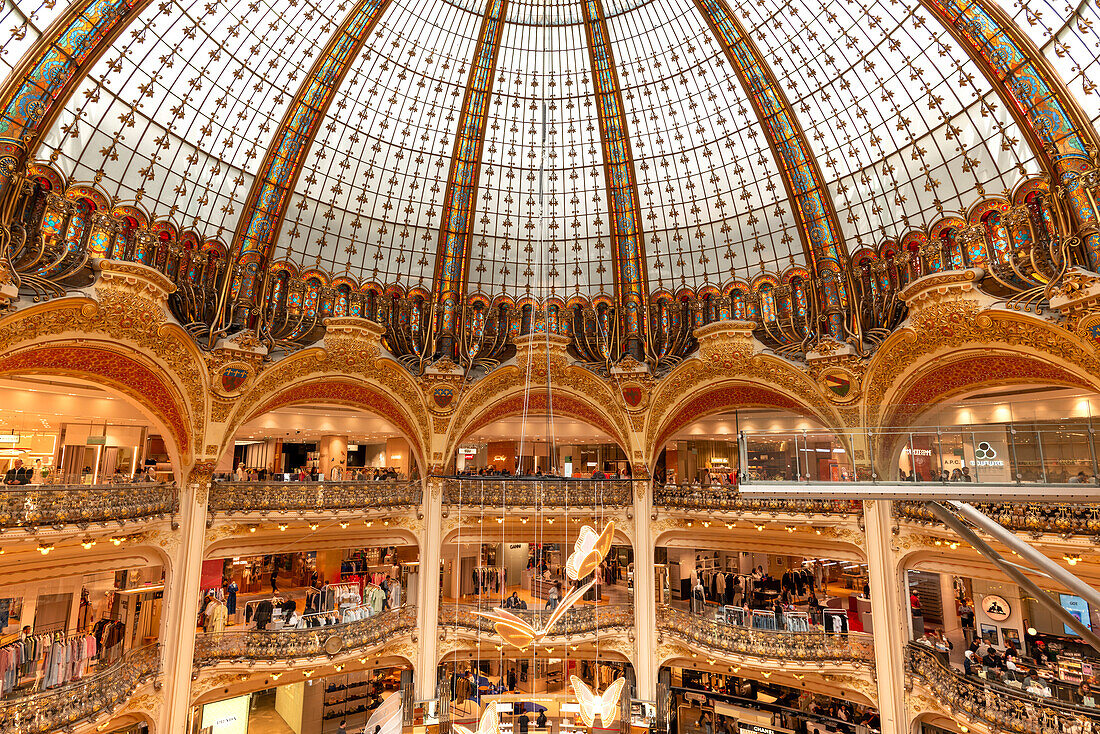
559, 153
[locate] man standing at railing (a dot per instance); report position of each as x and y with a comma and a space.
18, 474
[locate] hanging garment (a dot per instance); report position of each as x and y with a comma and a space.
218, 617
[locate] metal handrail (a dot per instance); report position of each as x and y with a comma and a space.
814, 645
33, 505
1028, 517
999, 706
56, 709
231, 497
541, 491
726, 498
295, 644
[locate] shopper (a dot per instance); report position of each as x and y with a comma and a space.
18, 474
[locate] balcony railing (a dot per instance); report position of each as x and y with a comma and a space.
577, 621
54, 710
300, 644
1055, 517
524, 492
724, 498
39, 505
999, 707
812, 646
231, 497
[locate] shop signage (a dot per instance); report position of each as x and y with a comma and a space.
9, 438
917, 452
996, 608
986, 455
96, 441
744, 728
1076, 606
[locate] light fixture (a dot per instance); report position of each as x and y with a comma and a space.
307, 673
790, 528
1031, 631
276, 676
523, 520
44, 549
606, 705
767, 674
368, 523
252, 529
116, 540
760, 528
282, 526
500, 521
344, 525
87, 543
313, 526
1072, 560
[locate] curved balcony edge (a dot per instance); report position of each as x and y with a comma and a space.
1035, 519
66, 706
232, 498
35, 506
725, 498
300, 645
813, 646
997, 707
542, 492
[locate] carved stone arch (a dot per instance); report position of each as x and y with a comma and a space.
575, 393
699, 389
331, 388
567, 404
39, 343
955, 347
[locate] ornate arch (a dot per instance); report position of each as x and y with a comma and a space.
341, 390
728, 376
579, 407
120, 371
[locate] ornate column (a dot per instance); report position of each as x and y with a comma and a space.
645, 610
178, 618
427, 613
889, 612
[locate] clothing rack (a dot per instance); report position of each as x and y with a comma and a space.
490, 578
333, 594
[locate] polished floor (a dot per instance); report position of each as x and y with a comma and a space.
263, 719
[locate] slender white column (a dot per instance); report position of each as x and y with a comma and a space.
427, 613
889, 611
178, 618
645, 611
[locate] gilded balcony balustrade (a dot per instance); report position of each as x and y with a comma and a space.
46, 505
239, 497
724, 498
1023, 517
811, 646
522, 492
578, 621
95, 695
289, 645
999, 707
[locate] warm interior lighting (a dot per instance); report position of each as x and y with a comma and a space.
45, 549
591, 704
87, 543
1072, 560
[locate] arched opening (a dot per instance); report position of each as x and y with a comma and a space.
333, 408
85, 426
538, 444
327, 441
759, 444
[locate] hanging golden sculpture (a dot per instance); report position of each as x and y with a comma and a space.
589, 550
518, 632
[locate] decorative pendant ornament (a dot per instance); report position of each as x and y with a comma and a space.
589, 550
606, 705
489, 723
518, 632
